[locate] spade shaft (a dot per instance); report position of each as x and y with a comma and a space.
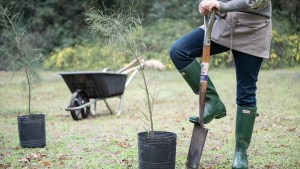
199, 131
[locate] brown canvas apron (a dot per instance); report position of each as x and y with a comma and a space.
244, 32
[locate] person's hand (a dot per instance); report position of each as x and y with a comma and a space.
206, 6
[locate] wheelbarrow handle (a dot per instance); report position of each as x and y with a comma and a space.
133, 72
132, 63
133, 69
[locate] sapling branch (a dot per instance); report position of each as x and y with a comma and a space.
123, 29
19, 51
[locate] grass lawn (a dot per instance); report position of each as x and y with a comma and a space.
105, 141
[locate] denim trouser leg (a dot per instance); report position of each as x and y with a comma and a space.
188, 47
247, 69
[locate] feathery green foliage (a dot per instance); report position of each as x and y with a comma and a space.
121, 28
124, 30
18, 51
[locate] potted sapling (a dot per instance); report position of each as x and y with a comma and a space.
124, 30
23, 59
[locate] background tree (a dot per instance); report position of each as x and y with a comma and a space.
56, 25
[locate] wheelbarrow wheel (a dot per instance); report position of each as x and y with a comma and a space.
79, 98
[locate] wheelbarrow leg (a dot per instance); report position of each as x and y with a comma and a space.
120, 105
107, 105
95, 107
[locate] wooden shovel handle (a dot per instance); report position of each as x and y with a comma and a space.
203, 82
206, 53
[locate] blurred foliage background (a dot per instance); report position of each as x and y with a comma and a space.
58, 27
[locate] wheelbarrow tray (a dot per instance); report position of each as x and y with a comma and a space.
96, 84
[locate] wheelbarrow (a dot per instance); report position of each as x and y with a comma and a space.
91, 86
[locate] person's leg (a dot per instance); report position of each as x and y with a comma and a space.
185, 49
183, 53
247, 69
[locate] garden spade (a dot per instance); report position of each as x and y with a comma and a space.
200, 132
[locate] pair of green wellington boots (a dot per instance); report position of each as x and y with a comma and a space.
215, 109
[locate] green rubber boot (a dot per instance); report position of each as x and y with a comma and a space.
244, 127
214, 107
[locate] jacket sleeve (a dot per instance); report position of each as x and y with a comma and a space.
238, 5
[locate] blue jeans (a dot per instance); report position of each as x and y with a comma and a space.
188, 47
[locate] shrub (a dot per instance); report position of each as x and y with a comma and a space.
84, 57
160, 35
285, 51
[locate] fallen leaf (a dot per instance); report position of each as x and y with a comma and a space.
62, 157
126, 162
124, 144
178, 120
280, 145
24, 160
268, 165
45, 163
117, 152
4, 166
291, 129
35, 156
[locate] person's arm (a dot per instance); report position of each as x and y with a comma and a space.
237, 5
206, 6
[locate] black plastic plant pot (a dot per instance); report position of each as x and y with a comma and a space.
158, 151
32, 133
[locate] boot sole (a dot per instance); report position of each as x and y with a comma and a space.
217, 117
220, 115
